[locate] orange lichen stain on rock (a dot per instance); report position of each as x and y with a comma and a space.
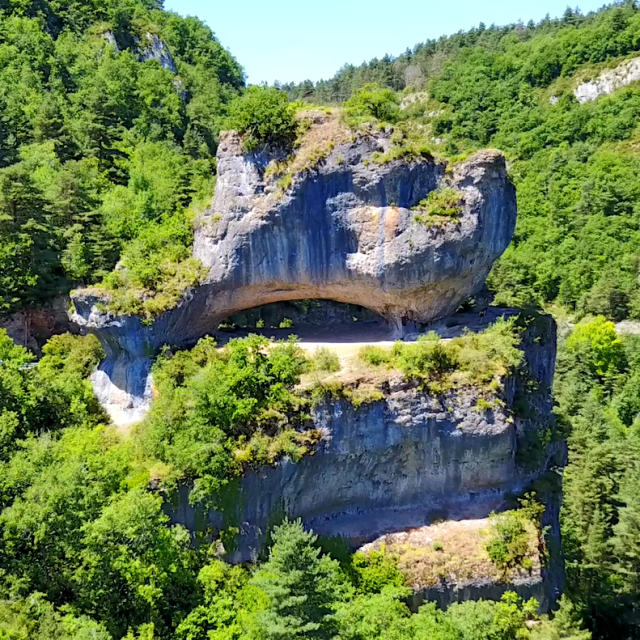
391, 218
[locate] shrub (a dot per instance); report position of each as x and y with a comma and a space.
264, 117
440, 206
286, 323
326, 360
492, 354
426, 359
373, 355
372, 571
407, 152
372, 103
508, 546
483, 405
481, 359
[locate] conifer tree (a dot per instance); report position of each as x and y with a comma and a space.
302, 586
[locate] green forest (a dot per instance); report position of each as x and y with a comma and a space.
110, 115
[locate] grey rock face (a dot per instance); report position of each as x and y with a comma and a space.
344, 231
108, 37
152, 48
32, 327
124, 387
397, 463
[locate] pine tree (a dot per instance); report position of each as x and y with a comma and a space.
626, 541
302, 586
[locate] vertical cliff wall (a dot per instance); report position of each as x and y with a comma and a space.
403, 461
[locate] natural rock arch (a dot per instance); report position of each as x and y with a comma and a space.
344, 231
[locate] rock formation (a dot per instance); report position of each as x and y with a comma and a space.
152, 48
406, 461
344, 230
608, 81
339, 222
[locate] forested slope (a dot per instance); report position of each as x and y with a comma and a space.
109, 117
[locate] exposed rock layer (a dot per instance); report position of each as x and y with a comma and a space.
401, 462
608, 81
33, 326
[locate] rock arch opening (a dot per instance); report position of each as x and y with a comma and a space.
320, 320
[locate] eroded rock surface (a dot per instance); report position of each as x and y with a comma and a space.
343, 231
608, 81
152, 48
401, 462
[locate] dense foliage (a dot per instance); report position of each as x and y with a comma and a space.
86, 548
220, 410
110, 120
107, 146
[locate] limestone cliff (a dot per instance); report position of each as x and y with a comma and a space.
343, 230
405, 461
338, 221
608, 81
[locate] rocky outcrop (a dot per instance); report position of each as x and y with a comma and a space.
33, 326
608, 81
400, 462
343, 231
152, 48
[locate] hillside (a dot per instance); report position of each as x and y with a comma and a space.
574, 164
163, 470
110, 119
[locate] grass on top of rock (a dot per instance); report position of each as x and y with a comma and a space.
155, 270
325, 360
479, 359
502, 548
440, 207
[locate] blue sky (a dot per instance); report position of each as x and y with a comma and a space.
292, 40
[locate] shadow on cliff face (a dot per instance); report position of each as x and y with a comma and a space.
323, 321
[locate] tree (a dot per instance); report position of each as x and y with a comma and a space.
372, 102
301, 584
263, 116
597, 341
626, 540
33, 618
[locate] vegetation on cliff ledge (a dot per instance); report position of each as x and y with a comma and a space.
477, 359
